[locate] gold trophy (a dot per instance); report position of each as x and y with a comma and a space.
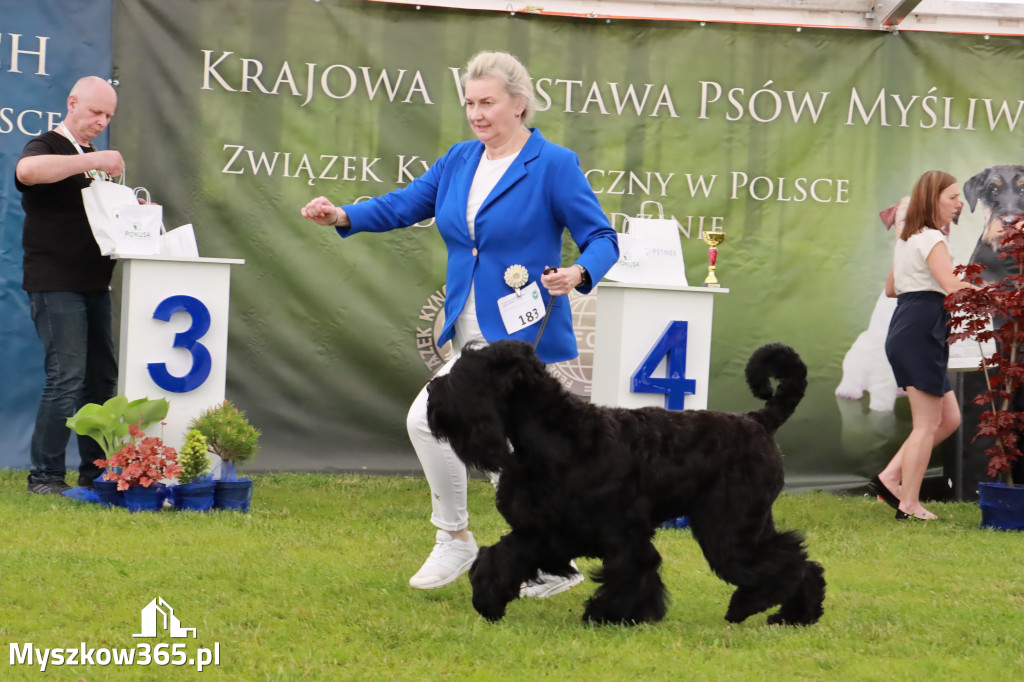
712, 239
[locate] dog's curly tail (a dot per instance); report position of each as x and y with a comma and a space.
776, 361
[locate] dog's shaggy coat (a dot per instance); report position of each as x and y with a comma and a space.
580, 480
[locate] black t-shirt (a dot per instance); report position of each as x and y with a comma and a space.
60, 252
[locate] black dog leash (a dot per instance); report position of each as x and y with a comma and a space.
547, 311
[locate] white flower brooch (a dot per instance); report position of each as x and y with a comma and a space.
516, 276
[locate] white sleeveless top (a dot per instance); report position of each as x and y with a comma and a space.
910, 262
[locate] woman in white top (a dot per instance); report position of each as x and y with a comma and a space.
920, 278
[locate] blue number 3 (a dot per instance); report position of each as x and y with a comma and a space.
189, 340
675, 385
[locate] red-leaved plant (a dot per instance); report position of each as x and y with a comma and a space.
144, 460
971, 310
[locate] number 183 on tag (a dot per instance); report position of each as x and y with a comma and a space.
521, 309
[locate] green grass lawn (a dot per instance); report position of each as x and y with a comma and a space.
311, 585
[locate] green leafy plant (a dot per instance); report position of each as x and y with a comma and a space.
193, 458
229, 435
108, 424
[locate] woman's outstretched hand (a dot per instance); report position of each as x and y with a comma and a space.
322, 212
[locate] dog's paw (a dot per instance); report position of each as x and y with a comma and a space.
740, 609
492, 610
606, 619
735, 617
601, 614
627, 621
849, 391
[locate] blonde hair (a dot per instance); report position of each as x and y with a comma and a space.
510, 72
922, 211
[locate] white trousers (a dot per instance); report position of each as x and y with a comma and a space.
446, 474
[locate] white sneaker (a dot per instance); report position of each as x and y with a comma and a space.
547, 585
449, 559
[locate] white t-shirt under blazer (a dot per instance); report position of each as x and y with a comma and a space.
488, 173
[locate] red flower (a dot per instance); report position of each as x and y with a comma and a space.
141, 461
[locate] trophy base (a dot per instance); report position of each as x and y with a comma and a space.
712, 285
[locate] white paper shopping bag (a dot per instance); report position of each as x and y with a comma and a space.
101, 199
121, 225
137, 229
179, 243
650, 252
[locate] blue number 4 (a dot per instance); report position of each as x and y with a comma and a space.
189, 340
675, 385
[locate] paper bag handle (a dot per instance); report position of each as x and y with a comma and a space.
142, 190
661, 209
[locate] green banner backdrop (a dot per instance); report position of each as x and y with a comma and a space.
234, 114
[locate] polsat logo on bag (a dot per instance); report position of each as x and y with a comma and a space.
158, 619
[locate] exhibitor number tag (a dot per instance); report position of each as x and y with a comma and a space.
520, 310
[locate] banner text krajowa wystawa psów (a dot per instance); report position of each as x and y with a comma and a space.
792, 141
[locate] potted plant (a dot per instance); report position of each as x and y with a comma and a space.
230, 436
194, 489
138, 467
973, 312
109, 425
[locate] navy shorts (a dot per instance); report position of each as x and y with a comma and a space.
917, 345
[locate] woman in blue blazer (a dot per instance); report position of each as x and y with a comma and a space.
503, 199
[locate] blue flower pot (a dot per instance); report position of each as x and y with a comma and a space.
197, 496
194, 496
1002, 506
108, 493
138, 498
234, 494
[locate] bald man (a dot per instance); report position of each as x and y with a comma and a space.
67, 280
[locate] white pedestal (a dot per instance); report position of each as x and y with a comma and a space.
174, 336
631, 319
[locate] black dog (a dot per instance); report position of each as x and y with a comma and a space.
582, 480
1000, 192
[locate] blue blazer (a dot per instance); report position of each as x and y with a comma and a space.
520, 222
